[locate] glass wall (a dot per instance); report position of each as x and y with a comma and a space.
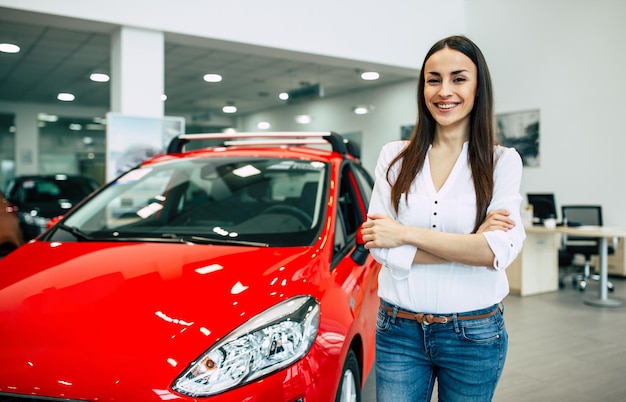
72, 146
7, 148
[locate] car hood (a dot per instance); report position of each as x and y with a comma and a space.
137, 314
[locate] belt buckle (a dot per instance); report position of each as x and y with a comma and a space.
430, 319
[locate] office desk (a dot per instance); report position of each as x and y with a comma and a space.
536, 269
602, 233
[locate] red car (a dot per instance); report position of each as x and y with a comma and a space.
10, 233
228, 273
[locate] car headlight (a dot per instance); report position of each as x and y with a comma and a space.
267, 343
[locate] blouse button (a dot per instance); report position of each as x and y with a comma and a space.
434, 226
435, 213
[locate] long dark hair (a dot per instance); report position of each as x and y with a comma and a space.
481, 135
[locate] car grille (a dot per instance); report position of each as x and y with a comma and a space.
26, 398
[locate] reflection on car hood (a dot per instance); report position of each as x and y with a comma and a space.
129, 308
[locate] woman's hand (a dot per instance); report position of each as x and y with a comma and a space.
497, 220
381, 231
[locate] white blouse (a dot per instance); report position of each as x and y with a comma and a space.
452, 287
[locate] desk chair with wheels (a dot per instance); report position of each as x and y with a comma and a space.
582, 215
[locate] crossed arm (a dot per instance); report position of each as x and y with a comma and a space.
434, 247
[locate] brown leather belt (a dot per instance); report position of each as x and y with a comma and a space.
430, 318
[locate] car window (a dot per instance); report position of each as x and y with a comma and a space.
272, 200
365, 183
352, 208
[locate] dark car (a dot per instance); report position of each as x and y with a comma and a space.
10, 234
39, 198
230, 273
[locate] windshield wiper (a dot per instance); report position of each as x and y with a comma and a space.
76, 232
165, 238
210, 240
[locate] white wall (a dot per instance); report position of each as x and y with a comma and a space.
566, 58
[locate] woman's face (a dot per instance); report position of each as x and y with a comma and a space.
450, 87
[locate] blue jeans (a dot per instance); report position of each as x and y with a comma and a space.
466, 357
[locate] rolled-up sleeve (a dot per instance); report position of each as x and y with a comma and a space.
506, 246
397, 259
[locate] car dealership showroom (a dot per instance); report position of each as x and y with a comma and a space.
183, 189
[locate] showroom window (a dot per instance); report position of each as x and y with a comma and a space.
72, 146
7, 148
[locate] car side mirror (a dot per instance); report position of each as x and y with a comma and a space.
360, 253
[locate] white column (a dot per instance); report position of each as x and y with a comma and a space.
137, 72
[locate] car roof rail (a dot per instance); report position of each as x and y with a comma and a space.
337, 142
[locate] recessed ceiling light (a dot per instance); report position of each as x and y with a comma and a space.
212, 77
65, 97
283, 96
99, 77
263, 125
370, 75
229, 109
362, 109
303, 119
9, 48
163, 97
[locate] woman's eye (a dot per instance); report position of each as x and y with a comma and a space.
432, 80
460, 79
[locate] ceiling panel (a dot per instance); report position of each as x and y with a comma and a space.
55, 59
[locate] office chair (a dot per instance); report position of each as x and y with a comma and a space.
579, 215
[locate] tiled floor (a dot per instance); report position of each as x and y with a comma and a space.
561, 349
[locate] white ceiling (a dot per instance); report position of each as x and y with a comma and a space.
57, 58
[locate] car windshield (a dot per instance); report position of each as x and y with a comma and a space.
256, 201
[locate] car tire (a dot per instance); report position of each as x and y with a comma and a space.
350, 384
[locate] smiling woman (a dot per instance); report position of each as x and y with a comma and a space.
445, 222
450, 87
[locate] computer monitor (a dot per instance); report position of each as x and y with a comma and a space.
543, 205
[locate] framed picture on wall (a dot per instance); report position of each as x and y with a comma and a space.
520, 130
406, 131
